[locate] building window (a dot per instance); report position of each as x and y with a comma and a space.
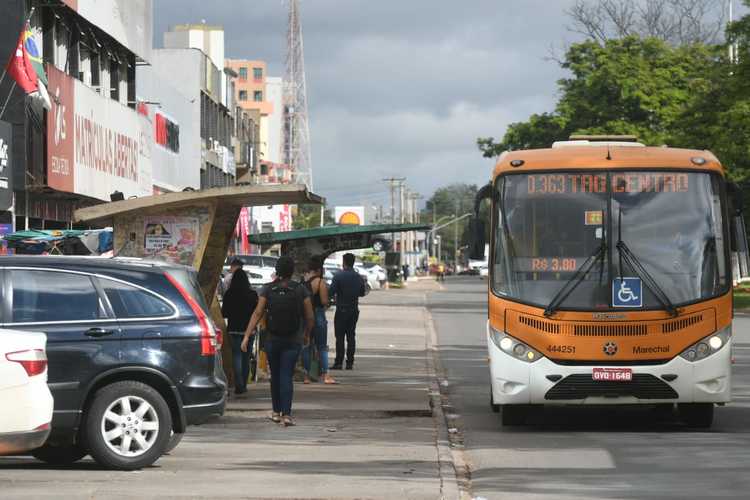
114, 79
243, 95
258, 96
243, 74
257, 74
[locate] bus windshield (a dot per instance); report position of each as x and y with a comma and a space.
669, 224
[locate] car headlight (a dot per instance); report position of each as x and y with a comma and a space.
707, 346
514, 347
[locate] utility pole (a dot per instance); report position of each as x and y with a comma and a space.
402, 236
392, 183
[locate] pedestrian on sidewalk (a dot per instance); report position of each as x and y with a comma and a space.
318, 289
289, 318
347, 287
240, 300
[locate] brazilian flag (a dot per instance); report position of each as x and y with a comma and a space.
34, 55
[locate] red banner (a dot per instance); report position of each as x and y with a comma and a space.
60, 157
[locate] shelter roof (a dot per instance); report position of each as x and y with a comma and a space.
234, 195
338, 230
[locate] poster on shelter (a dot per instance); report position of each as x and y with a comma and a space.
173, 239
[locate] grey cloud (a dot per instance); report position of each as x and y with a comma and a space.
400, 87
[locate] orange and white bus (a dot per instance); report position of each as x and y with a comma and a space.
610, 277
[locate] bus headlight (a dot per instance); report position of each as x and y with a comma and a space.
514, 347
707, 346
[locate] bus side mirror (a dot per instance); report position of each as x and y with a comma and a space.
476, 227
736, 199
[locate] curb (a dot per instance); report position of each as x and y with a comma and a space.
455, 473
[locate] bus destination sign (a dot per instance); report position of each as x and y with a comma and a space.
646, 182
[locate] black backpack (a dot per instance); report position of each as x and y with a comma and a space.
283, 309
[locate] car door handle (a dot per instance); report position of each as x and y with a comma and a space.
98, 332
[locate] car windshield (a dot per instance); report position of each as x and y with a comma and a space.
550, 224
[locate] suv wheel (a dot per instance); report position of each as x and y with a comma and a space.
128, 426
59, 455
174, 441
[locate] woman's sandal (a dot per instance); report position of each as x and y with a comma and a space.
275, 417
288, 421
329, 380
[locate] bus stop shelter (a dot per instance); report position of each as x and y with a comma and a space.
325, 240
193, 228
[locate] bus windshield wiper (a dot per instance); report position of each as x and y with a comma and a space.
630, 258
576, 279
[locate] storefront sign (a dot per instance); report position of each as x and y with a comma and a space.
6, 168
166, 132
173, 239
95, 145
350, 215
60, 174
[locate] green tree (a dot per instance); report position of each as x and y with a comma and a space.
447, 202
308, 216
629, 86
719, 118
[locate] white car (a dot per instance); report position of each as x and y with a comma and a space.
382, 276
370, 275
260, 269
25, 400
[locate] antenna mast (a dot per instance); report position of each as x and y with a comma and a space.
296, 152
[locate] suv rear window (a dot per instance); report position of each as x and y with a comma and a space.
46, 296
131, 302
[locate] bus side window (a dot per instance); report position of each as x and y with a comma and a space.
738, 236
740, 254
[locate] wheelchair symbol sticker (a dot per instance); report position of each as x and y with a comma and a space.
627, 292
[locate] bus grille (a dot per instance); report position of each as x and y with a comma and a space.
681, 323
700, 323
581, 386
589, 330
539, 324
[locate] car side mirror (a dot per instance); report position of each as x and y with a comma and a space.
477, 231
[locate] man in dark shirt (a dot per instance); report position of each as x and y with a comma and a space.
347, 287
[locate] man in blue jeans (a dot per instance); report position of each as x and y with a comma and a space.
347, 287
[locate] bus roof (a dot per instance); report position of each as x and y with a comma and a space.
602, 156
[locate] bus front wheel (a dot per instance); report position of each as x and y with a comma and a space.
513, 414
495, 407
698, 415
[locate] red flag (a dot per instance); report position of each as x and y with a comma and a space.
19, 67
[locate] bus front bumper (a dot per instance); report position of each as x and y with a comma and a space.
546, 382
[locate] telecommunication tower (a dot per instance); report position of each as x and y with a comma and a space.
296, 152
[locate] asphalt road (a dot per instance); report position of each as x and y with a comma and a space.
583, 452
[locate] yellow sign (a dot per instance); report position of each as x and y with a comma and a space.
594, 217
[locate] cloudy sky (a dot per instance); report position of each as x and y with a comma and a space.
400, 88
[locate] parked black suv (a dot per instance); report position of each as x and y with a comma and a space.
132, 353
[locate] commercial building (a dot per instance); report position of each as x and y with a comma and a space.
193, 61
261, 95
92, 142
174, 125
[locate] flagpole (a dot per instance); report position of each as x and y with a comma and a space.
2, 112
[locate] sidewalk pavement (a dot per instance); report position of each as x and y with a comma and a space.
371, 436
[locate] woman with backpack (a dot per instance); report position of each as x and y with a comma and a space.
238, 304
289, 320
318, 289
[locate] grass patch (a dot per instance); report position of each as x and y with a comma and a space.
742, 299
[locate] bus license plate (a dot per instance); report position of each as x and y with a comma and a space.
613, 374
